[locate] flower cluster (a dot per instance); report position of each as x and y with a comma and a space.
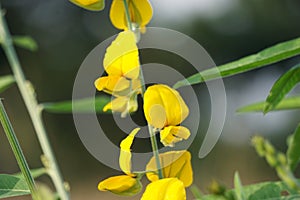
164, 110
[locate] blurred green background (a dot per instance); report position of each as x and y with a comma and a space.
227, 29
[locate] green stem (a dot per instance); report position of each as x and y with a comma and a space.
151, 130
33, 108
127, 14
13, 141
155, 151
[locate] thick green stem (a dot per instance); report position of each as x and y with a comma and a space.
33, 108
13, 141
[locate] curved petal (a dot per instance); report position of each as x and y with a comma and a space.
112, 84
119, 104
176, 164
163, 106
117, 14
86, 2
125, 153
173, 134
121, 185
165, 189
122, 57
140, 13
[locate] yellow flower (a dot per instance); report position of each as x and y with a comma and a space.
121, 185
86, 2
128, 184
122, 57
165, 189
172, 134
122, 104
163, 106
176, 164
125, 153
140, 13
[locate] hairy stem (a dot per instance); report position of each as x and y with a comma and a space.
33, 108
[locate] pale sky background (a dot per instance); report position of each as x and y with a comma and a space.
184, 9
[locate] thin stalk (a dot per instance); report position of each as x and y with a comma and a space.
14, 143
127, 14
151, 131
33, 108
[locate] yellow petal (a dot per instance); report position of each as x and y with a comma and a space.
112, 84
125, 153
86, 2
172, 134
176, 164
163, 106
165, 189
119, 104
121, 185
122, 57
140, 13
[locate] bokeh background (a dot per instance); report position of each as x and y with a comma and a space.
227, 29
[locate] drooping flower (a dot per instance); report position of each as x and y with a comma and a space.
121, 62
176, 164
163, 106
164, 109
125, 153
165, 189
128, 184
122, 185
140, 13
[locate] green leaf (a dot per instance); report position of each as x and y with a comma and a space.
293, 152
11, 186
6, 82
238, 187
25, 42
79, 106
286, 104
265, 57
268, 190
281, 87
98, 6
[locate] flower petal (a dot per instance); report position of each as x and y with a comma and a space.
125, 153
122, 57
86, 2
172, 134
119, 104
176, 164
112, 84
140, 13
121, 185
165, 189
163, 106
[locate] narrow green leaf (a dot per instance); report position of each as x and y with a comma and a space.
286, 104
238, 187
25, 42
293, 152
270, 191
34, 172
97, 6
11, 186
79, 106
281, 87
265, 57
6, 82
